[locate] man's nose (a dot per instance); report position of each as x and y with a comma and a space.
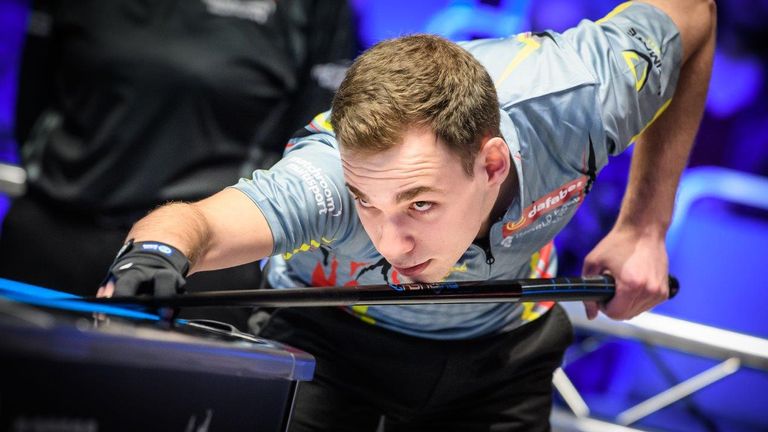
394, 240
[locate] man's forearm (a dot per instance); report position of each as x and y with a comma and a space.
179, 224
662, 151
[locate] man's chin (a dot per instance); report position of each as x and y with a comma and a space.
422, 278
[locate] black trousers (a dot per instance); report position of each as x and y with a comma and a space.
494, 383
48, 246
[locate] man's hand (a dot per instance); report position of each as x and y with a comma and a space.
633, 252
638, 263
146, 268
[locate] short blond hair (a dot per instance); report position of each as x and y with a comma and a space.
416, 81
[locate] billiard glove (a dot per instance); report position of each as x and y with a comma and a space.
148, 267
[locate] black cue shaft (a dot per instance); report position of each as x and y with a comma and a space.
598, 288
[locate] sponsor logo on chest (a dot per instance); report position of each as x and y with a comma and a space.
545, 211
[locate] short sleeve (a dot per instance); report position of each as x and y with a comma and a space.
303, 196
635, 55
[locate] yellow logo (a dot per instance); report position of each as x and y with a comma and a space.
639, 64
313, 244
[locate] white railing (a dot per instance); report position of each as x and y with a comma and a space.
733, 349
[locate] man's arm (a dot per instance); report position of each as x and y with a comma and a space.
224, 230
221, 231
634, 251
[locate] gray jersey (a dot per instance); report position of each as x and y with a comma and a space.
568, 101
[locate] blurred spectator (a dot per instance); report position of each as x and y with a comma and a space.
126, 104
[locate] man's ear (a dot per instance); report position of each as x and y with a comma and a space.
494, 160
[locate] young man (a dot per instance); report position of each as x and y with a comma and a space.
458, 163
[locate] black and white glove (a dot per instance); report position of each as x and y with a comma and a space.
148, 267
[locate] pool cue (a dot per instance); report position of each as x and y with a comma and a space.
595, 288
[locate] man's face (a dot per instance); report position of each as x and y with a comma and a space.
418, 206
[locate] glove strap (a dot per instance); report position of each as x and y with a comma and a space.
170, 253
173, 255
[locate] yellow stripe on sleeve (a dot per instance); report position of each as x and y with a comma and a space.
617, 10
530, 46
655, 116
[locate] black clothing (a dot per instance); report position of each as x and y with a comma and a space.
124, 105
494, 383
149, 101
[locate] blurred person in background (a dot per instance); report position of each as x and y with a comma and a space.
128, 104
